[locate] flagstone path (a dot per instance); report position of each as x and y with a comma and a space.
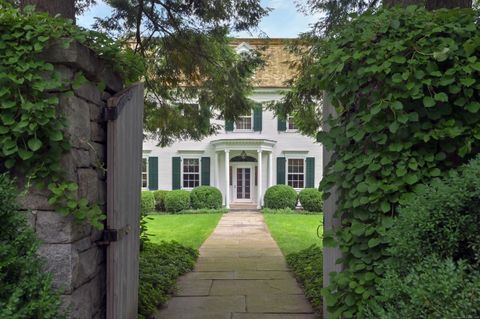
240, 274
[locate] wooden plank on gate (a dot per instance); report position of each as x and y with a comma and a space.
124, 114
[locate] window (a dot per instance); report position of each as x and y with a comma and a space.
144, 172
296, 173
244, 122
191, 172
291, 124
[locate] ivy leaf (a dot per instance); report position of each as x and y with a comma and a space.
442, 97
374, 242
411, 179
24, 154
385, 206
473, 107
393, 127
428, 101
442, 55
55, 136
467, 81
34, 144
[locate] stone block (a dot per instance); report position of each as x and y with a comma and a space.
76, 157
35, 199
98, 132
88, 266
96, 112
83, 244
98, 154
30, 217
62, 263
77, 114
88, 184
102, 192
53, 228
90, 92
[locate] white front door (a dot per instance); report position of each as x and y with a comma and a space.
242, 183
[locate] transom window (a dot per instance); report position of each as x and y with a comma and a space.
244, 122
291, 124
296, 172
191, 172
144, 173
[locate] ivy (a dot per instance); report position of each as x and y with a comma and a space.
32, 139
405, 84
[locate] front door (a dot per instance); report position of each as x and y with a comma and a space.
243, 184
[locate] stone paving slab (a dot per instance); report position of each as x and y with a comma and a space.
240, 274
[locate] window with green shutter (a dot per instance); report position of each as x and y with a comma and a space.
176, 172
280, 170
205, 171
257, 118
281, 124
153, 173
228, 126
310, 178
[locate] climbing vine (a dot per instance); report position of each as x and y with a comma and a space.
32, 139
405, 84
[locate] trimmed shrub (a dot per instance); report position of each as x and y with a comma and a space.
148, 202
177, 200
160, 266
311, 199
307, 265
280, 196
201, 211
160, 200
26, 291
206, 197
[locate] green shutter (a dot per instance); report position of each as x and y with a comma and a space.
153, 173
280, 170
206, 171
228, 125
176, 172
281, 124
310, 177
257, 119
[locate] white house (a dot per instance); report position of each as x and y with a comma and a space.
248, 156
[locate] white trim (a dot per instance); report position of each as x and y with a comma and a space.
146, 167
236, 130
233, 189
304, 171
199, 172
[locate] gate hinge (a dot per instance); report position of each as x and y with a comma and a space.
110, 113
111, 235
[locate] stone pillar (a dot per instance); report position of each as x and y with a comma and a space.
227, 178
71, 250
259, 179
270, 169
216, 169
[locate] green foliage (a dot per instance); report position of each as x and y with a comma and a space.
26, 290
280, 196
160, 266
434, 265
31, 125
147, 202
307, 265
177, 200
431, 289
288, 211
198, 211
404, 83
206, 197
160, 200
311, 199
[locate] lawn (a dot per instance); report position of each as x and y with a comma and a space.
294, 232
189, 230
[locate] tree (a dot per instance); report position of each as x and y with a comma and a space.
66, 8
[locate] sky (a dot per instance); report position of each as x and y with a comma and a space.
284, 21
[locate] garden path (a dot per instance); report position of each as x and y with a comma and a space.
240, 274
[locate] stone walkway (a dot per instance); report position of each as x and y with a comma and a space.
240, 274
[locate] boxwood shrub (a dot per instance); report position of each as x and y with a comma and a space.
147, 202
311, 199
26, 290
177, 200
206, 197
280, 196
160, 200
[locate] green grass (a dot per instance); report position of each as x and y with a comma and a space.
294, 232
188, 230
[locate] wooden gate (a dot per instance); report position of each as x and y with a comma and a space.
124, 114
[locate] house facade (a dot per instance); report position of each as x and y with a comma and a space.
248, 156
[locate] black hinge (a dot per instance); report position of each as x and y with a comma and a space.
112, 235
110, 113
116, 104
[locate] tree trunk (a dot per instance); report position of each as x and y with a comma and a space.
66, 8
430, 4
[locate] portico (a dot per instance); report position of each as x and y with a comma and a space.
243, 169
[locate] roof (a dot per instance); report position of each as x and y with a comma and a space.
278, 69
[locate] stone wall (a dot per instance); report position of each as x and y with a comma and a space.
73, 254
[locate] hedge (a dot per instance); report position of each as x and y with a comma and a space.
177, 200
280, 196
311, 199
206, 197
160, 200
147, 202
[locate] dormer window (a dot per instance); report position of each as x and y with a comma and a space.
244, 49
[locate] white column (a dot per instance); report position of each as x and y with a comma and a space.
216, 170
270, 169
227, 178
259, 180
